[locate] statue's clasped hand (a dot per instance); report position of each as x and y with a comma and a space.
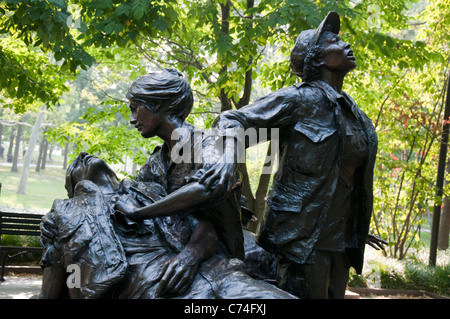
125, 205
178, 275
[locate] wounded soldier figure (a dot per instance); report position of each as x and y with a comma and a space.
121, 258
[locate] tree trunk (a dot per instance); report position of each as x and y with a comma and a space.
44, 153
134, 167
444, 226
40, 152
17, 149
246, 189
50, 152
255, 202
245, 99
1, 127
2, 148
440, 178
66, 153
11, 145
1, 132
29, 154
259, 201
225, 29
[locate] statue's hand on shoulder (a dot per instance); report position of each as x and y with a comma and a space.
219, 179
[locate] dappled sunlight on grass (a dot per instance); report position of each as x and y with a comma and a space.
412, 273
42, 189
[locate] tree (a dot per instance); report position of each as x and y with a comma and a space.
214, 61
222, 47
437, 34
227, 60
29, 153
41, 45
444, 227
15, 159
230, 51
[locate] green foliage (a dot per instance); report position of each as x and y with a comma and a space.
20, 240
44, 43
24, 241
103, 132
44, 24
409, 274
435, 279
399, 83
27, 76
408, 122
435, 32
124, 22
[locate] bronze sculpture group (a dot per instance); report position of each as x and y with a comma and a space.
176, 230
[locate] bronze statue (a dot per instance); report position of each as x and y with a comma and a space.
149, 237
319, 207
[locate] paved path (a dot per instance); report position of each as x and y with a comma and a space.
20, 286
27, 286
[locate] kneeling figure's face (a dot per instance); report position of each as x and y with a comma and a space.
147, 122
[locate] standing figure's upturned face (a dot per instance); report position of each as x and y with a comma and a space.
144, 120
337, 54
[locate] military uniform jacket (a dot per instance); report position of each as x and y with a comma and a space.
312, 137
223, 212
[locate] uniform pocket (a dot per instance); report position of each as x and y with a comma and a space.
314, 132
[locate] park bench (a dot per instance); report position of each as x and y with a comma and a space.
18, 224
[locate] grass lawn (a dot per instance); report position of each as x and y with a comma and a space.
42, 189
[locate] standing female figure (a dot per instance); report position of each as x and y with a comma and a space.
319, 208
